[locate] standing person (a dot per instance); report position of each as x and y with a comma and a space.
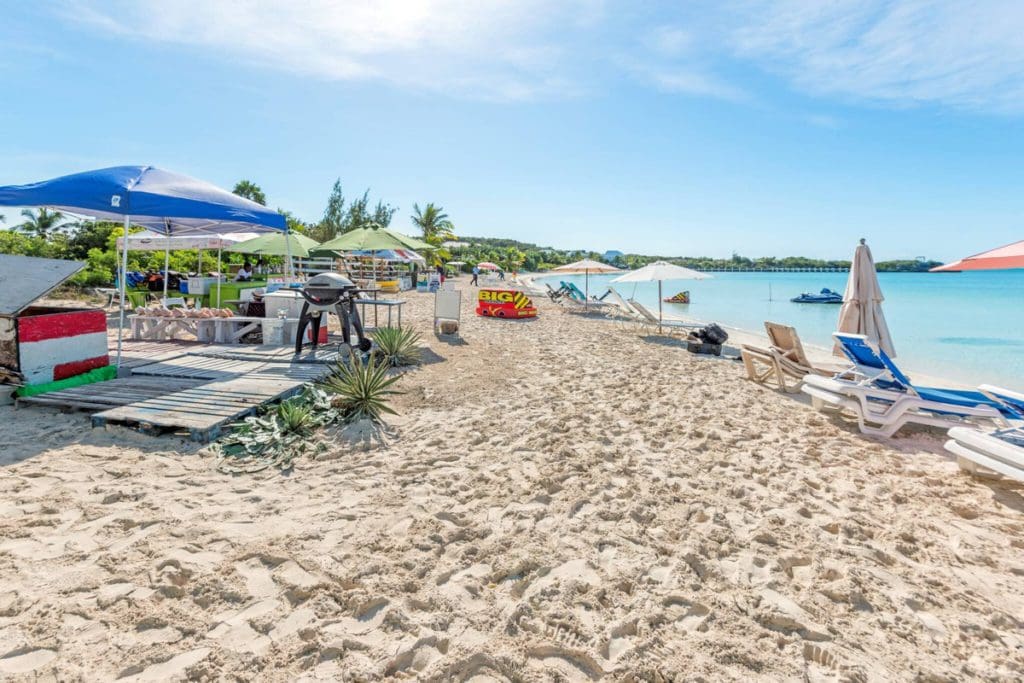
501, 274
476, 275
440, 273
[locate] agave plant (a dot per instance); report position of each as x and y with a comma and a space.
296, 417
277, 437
362, 388
397, 346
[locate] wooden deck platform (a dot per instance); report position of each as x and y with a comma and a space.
197, 388
198, 367
204, 410
110, 394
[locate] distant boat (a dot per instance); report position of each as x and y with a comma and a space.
825, 296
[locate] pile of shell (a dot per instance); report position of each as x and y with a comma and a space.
161, 312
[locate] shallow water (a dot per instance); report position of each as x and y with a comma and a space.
968, 327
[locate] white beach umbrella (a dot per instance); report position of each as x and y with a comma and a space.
586, 266
862, 303
661, 271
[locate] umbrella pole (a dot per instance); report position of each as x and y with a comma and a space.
289, 273
586, 288
124, 291
660, 304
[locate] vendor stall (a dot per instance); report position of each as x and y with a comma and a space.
391, 269
199, 286
46, 343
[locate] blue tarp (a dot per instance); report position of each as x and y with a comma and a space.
156, 199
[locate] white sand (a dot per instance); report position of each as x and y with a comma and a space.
560, 499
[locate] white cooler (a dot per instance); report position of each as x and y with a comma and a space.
289, 300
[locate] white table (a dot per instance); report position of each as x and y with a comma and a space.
213, 330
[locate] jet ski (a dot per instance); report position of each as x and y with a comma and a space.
825, 296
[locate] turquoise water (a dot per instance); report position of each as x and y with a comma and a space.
968, 327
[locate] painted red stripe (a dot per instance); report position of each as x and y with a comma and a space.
33, 328
77, 367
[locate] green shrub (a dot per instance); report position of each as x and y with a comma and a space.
397, 346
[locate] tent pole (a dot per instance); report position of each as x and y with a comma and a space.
124, 290
167, 264
219, 278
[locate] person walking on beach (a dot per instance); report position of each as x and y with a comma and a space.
476, 274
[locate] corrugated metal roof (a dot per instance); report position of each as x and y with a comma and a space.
23, 279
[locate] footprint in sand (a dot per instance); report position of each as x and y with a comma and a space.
23, 661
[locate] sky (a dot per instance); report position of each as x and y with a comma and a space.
763, 127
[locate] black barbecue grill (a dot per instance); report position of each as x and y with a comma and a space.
330, 292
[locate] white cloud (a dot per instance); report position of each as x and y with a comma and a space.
963, 54
967, 55
503, 49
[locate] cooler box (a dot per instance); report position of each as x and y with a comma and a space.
46, 343
288, 300
199, 285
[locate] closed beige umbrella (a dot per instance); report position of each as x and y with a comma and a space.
862, 303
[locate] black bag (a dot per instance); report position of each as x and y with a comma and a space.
713, 334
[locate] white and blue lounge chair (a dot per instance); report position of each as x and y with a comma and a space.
884, 399
1000, 451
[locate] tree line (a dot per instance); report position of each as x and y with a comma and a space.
50, 234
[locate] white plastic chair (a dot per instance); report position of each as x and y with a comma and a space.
168, 302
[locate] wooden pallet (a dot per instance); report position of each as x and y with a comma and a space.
109, 394
203, 410
305, 372
199, 367
324, 355
135, 353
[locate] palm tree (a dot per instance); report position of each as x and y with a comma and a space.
434, 223
250, 190
436, 227
41, 224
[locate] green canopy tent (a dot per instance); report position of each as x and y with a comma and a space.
369, 239
278, 244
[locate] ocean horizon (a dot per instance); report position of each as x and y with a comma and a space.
967, 327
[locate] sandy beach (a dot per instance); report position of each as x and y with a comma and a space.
567, 498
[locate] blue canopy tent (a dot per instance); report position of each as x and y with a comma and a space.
150, 197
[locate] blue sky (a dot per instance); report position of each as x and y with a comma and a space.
698, 128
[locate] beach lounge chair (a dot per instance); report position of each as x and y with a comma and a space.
556, 294
621, 306
574, 296
649, 318
980, 452
785, 357
884, 399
